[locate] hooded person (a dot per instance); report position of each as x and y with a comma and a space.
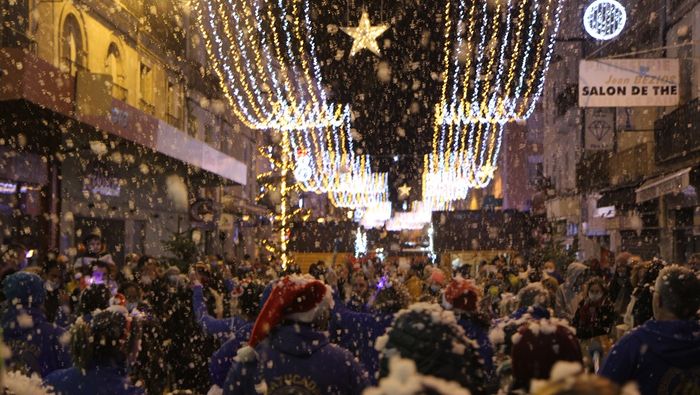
569, 293
663, 354
429, 335
462, 297
35, 343
103, 370
404, 379
288, 350
595, 315
537, 346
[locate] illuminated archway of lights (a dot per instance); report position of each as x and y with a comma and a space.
420, 215
360, 189
264, 56
322, 155
496, 55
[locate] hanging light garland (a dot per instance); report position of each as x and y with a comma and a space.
419, 216
374, 216
264, 56
496, 56
360, 188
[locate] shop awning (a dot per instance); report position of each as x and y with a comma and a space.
668, 184
618, 196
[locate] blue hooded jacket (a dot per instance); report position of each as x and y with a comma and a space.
357, 332
480, 335
98, 380
663, 357
36, 348
296, 358
222, 359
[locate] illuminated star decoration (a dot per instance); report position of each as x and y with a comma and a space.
404, 191
365, 35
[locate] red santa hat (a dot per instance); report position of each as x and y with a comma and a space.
299, 298
461, 294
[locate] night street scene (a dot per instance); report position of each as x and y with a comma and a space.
350, 197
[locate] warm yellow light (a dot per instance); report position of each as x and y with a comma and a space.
365, 35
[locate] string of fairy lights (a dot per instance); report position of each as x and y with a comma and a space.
495, 57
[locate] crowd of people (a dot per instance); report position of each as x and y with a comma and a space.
94, 326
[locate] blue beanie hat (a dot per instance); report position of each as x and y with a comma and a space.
25, 289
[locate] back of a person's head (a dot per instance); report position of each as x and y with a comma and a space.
93, 298
318, 270
249, 300
538, 345
429, 335
24, 289
391, 298
108, 330
678, 290
533, 295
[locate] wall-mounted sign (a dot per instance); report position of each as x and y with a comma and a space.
105, 186
600, 129
628, 83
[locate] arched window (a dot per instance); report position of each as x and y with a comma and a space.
73, 56
113, 67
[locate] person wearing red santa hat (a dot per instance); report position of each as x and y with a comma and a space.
462, 297
288, 350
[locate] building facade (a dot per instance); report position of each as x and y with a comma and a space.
110, 121
635, 188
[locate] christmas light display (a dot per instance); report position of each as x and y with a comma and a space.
419, 216
365, 35
604, 19
360, 242
496, 56
264, 56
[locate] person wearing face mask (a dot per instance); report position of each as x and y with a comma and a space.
56, 305
594, 320
621, 284
550, 270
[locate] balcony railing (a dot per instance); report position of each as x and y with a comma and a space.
12, 38
147, 107
677, 134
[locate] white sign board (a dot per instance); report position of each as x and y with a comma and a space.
628, 83
600, 129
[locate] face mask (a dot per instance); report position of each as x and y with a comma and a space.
131, 306
595, 297
435, 288
549, 271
